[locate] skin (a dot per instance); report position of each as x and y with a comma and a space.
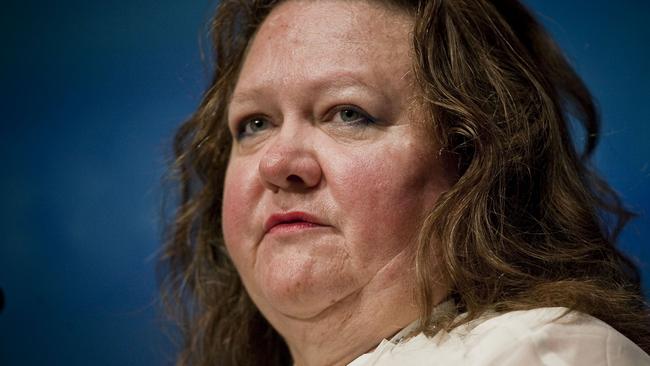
333, 289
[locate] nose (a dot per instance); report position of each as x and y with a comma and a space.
290, 164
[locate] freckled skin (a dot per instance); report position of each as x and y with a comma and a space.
369, 185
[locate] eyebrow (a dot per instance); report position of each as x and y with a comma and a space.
328, 83
246, 95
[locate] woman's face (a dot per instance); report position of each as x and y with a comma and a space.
330, 172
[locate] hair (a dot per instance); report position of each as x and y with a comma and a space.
528, 223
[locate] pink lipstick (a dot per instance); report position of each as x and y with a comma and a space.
291, 222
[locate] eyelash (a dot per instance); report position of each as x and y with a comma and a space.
364, 119
241, 127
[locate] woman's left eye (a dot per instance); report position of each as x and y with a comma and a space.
354, 115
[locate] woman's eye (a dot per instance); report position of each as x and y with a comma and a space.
353, 115
252, 126
349, 115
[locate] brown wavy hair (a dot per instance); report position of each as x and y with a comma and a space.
528, 224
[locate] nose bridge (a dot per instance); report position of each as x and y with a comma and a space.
293, 137
290, 161
293, 128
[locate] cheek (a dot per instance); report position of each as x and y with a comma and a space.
385, 198
240, 194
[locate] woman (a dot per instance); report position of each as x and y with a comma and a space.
394, 183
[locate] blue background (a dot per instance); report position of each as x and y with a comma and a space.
91, 94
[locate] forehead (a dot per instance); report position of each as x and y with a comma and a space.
308, 39
348, 20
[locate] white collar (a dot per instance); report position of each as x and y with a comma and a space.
403, 335
408, 331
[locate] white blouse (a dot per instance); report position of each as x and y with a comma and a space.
528, 338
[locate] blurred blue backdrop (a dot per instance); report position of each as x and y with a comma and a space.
91, 94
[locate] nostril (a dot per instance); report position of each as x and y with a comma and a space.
294, 179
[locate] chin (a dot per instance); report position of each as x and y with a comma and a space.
303, 289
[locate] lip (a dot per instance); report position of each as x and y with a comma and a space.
291, 221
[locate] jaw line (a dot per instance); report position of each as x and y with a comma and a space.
326, 311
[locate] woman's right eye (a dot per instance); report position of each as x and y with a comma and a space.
252, 126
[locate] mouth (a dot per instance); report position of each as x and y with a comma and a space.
291, 222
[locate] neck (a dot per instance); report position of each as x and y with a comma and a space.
349, 329
355, 325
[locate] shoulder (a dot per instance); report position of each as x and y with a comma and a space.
544, 336
548, 336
